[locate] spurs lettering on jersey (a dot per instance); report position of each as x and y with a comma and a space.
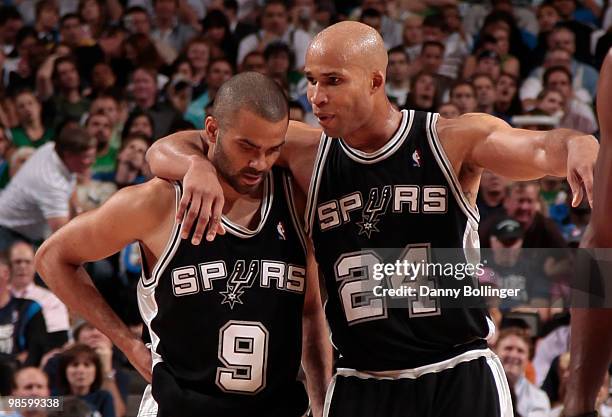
191, 279
429, 199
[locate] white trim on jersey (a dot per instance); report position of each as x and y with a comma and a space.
329, 396
295, 218
315, 181
390, 147
148, 406
447, 168
503, 390
266, 206
415, 373
166, 256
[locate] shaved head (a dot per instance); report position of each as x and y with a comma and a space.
353, 43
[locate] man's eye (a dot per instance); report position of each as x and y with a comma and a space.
312, 81
334, 80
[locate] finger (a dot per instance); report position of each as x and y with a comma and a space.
574, 187
184, 203
217, 210
192, 214
221, 229
203, 219
587, 180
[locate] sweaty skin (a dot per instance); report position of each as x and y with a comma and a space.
345, 67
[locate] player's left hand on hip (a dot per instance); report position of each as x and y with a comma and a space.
580, 165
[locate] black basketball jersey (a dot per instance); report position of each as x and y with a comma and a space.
398, 203
225, 317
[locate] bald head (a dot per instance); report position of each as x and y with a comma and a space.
353, 43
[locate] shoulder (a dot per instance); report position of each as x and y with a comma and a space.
151, 196
303, 134
471, 123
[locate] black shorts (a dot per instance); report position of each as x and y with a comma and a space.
472, 384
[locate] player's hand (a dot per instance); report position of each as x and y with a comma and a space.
140, 357
203, 201
581, 159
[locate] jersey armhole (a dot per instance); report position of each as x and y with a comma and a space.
447, 169
295, 218
315, 181
150, 280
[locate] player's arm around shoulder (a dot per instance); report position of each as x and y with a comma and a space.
478, 141
133, 213
300, 151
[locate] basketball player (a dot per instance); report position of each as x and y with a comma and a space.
404, 180
591, 345
225, 319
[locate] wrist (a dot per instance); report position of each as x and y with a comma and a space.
110, 375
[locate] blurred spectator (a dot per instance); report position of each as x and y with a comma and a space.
137, 21
279, 61
456, 47
80, 373
430, 60
220, 71
140, 51
463, 96
513, 348
303, 17
485, 93
275, 26
254, 61
64, 94
491, 194
47, 17
523, 205
551, 102
197, 52
215, 27
99, 126
167, 28
18, 158
31, 382
547, 349
582, 31
5, 150
449, 110
23, 333
31, 131
413, 37
27, 56
397, 86
488, 62
390, 29
96, 14
179, 93
423, 94
10, 23
146, 98
37, 198
507, 102
139, 122
109, 105
130, 164
21, 257
577, 114
548, 17
239, 28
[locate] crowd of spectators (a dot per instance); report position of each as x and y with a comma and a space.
87, 85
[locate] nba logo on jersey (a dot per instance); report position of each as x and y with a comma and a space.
416, 159
280, 228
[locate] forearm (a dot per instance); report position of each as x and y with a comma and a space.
172, 156
591, 354
316, 359
558, 144
72, 285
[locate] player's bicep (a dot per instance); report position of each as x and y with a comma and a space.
517, 154
299, 151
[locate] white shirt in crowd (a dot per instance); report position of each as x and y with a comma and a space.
54, 311
39, 191
297, 39
531, 401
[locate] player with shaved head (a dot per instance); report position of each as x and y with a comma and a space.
383, 186
226, 319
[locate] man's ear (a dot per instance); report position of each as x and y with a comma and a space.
378, 81
211, 129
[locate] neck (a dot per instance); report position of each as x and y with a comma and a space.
79, 390
72, 95
33, 124
377, 130
145, 103
104, 150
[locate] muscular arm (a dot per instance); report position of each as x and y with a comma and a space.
475, 142
182, 156
96, 235
591, 339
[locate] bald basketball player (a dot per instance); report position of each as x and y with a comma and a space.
380, 178
225, 319
591, 344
